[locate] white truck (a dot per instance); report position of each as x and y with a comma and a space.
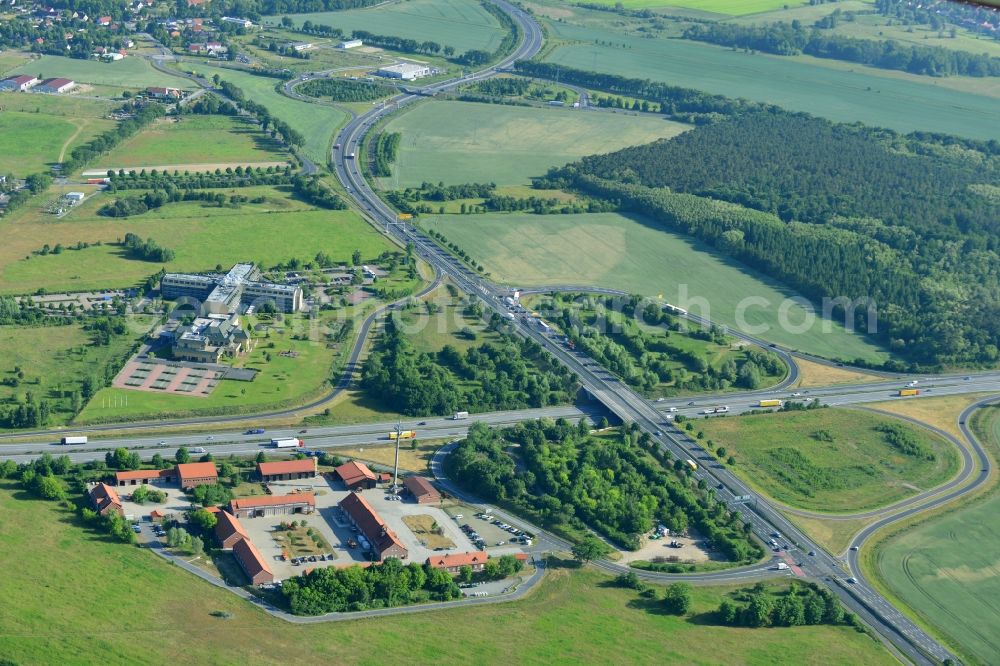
287, 443
460, 415
781, 566
73, 440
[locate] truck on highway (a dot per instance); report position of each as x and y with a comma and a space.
349, 156
692, 464
769, 403
405, 434
287, 443
73, 440
908, 391
781, 566
716, 410
460, 415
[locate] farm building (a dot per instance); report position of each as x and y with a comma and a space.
140, 477
18, 83
384, 542
405, 71
422, 490
302, 46
158, 92
287, 470
55, 85
190, 475
104, 498
228, 530
355, 475
350, 44
252, 562
272, 505
454, 562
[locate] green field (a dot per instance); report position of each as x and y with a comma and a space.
796, 84
35, 130
948, 568
639, 256
55, 359
152, 612
317, 122
201, 237
462, 142
829, 460
195, 139
130, 72
462, 24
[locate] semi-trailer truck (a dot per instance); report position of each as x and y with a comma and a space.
287, 443
406, 434
460, 415
909, 391
769, 403
74, 440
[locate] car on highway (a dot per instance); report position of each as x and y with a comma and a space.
812, 553
854, 547
852, 580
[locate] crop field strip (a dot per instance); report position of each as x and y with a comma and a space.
636, 255
830, 92
130, 72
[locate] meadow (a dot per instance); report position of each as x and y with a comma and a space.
947, 569
130, 72
637, 255
463, 142
829, 460
462, 24
153, 612
725, 7
55, 359
37, 130
799, 84
201, 237
195, 139
317, 122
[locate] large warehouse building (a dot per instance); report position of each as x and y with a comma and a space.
223, 294
405, 71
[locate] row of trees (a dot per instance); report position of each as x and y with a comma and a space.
563, 476
402, 44
802, 604
386, 151
793, 39
142, 116
227, 178
512, 373
288, 134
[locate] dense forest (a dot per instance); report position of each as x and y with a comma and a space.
793, 39
564, 476
513, 373
912, 223
345, 90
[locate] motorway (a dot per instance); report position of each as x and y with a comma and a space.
857, 594
616, 397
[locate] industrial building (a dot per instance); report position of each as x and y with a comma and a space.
382, 540
228, 530
405, 71
252, 562
454, 562
141, 477
350, 44
272, 505
208, 339
190, 475
223, 294
355, 475
287, 470
422, 490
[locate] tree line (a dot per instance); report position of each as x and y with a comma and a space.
221, 178
793, 38
834, 211
512, 373
288, 134
386, 151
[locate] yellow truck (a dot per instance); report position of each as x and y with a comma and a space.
769, 403
405, 434
908, 391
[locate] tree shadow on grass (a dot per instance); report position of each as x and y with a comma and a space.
556, 562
